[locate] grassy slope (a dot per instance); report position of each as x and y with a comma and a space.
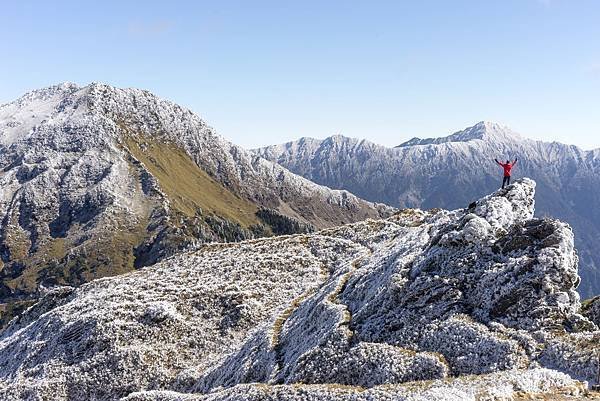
188, 187
190, 190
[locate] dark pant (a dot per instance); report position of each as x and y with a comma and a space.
506, 181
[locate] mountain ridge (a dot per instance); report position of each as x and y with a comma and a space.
98, 180
484, 130
451, 174
468, 134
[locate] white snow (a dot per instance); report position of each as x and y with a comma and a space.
19, 118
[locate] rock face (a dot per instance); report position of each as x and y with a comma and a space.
475, 302
452, 171
96, 181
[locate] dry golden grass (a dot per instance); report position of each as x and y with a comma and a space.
18, 243
585, 304
186, 185
281, 319
8, 310
557, 396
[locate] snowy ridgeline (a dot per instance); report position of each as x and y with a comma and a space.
449, 172
46, 128
468, 304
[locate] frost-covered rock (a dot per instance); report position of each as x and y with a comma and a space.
577, 354
475, 303
368, 365
159, 312
471, 348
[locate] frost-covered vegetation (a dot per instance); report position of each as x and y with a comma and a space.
469, 304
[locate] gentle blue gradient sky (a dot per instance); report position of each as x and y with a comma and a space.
265, 72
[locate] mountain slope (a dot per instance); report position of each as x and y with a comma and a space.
450, 172
97, 180
476, 302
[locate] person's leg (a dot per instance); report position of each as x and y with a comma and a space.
503, 182
508, 180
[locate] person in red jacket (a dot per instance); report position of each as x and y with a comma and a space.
507, 169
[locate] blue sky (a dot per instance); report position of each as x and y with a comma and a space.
264, 72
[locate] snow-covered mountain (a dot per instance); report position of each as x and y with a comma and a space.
450, 172
472, 304
97, 180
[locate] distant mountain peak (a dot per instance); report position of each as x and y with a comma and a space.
490, 129
340, 139
483, 130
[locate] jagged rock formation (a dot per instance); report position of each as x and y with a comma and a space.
475, 303
452, 171
96, 181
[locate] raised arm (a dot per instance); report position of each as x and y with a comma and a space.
515, 162
496, 160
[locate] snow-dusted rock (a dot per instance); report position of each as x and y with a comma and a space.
471, 348
577, 354
475, 303
368, 365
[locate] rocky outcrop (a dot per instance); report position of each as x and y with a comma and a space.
475, 302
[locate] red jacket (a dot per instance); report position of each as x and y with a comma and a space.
507, 167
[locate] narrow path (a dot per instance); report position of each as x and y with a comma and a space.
295, 304
332, 298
